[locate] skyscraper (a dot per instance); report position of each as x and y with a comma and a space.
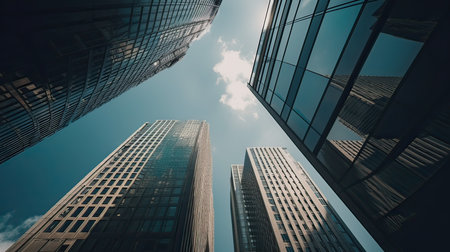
361, 87
153, 193
59, 60
276, 207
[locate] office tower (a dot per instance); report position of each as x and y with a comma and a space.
361, 87
153, 193
276, 207
59, 60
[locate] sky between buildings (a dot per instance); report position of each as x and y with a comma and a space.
209, 83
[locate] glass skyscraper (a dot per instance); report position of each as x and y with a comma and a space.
59, 60
153, 193
361, 87
276, 207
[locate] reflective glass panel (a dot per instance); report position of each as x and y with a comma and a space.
333, 33
296, 40
309, 94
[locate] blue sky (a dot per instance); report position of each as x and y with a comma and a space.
209, 83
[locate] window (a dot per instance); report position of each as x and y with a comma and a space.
111, 182
63, 248
309, 94
296, 40
52, 226
85, 190
97, 200
77, 211
306, 8
76, 226
104, 190
333, 33
311, 139
88, 211
88, 226
87, 200
98, 212
107, 200
76, 200
284, 80
168, 226
297, 124
65, 212
95, 191
326, 107
64, 226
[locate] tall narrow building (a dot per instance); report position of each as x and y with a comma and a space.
59, 60
276, 207
153, 193
361, 87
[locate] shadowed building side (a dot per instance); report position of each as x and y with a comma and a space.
361, 88
61, 60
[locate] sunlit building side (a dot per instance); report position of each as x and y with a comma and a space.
153, 193
276, 207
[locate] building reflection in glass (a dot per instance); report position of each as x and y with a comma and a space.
364, 95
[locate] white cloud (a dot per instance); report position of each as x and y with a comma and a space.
9, 233
234, 70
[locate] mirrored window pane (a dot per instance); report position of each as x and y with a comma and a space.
309, 94
333, 33
296, 40
306, 8
284, 80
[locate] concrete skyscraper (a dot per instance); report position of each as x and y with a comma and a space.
59, 60
276, 207
361, 87
153, 193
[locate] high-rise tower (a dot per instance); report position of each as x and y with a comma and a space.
276, 207
59, 60
153, 193
361, 87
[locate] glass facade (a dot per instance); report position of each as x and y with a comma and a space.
276, 207
361, 88
153, 193
241, 230
61, 60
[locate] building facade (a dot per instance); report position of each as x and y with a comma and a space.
361, 87
60, 60
153, 193
276, 207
